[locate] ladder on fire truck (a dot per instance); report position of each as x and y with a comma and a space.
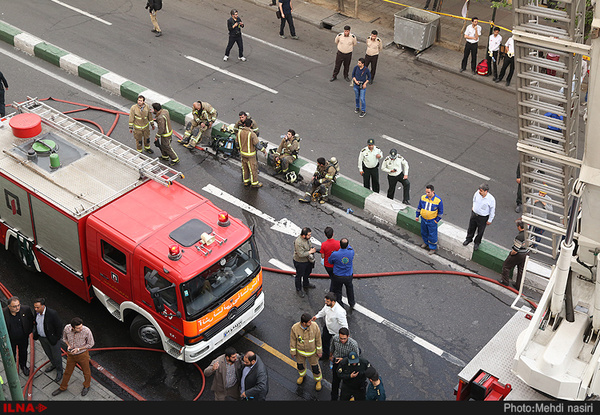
549, 48
147, 167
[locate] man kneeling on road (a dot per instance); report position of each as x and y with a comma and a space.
320, 187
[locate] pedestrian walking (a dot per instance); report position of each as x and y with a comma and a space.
368, 165
334, 318
375, 389
254, 385
374, 48
482, 215
494, 42
352, 372
343, 271
345, 43
306, 348
472, 33
203, 118
164, 133
3, 86
327, 247
396, 168
140, 120
248, 144
19, 323
509, 61
234, 27
360, 79
286, 9
304, 260
79, 340
430, 210
435, 5
48, 330
341, 346
227, 371
516, 257
153, 6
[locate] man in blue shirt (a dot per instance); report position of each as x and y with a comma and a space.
361, 76
343, 271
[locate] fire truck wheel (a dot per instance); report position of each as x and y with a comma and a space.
144, 334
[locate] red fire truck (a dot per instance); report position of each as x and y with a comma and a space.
110, 223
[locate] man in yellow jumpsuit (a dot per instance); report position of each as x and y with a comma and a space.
247, 143
164, 133
140, 119
203, 117
305, 345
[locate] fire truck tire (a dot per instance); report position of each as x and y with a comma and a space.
144, 333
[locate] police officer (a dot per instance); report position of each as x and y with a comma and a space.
322, 181
352, 370
164, 133
240, 124
203, 117
248, 144
287, 152
397, 169
368, 165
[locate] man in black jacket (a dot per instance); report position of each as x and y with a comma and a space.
19, 322
351, 370
48, 330
153, 6
234, 26
255, 382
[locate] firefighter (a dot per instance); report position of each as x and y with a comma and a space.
140, 120
320, 186
305, 345
243, 117
287, 152
248, 144
203, 117
164, 133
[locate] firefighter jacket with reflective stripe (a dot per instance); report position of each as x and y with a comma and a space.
325, 173
140, 117
163, 122
305, 342
289, 147
247, 142
206, 114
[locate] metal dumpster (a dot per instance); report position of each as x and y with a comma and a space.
415, 28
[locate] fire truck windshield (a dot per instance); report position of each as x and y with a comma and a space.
208, 289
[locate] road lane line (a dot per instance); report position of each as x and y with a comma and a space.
475, 121
440, 159
264, 42
228, 73
75, 9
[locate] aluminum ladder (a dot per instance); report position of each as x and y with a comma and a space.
549, 48
146, 166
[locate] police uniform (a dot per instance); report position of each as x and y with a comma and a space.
247, 142
353, 386
305, 345
164, 133
400, 165
205, 115
322, 180
368, 165
139, 121
288, 152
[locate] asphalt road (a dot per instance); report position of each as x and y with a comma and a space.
417, 330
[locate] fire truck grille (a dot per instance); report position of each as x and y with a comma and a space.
231, 317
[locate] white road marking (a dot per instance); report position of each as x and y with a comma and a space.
228, 73
475, 121
281, 265
75, 9
433, 156
89, 92
264, 42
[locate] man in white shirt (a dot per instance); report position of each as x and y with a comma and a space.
494, 43
334, 316
482, 214
509, 61
472, 33
397, 169
368, 165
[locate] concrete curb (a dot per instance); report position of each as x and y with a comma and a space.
489, 255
